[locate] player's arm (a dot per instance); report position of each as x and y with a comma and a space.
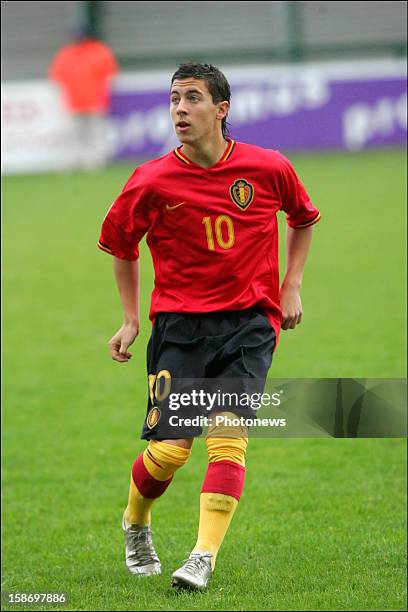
301, 215
124, 225
297, 247
127, 279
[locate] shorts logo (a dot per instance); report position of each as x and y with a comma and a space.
153, 418
242, 193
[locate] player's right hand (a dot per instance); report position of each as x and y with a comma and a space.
120, 342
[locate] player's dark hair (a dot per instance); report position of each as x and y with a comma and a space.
216, 81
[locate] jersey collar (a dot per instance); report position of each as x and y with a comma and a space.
225, 156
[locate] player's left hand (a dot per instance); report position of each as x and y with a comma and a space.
291, 306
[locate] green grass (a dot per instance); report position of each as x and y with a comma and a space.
321, 525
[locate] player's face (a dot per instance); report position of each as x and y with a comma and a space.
194, 115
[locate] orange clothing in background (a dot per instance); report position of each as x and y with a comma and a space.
84, 70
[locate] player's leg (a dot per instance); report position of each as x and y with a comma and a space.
153, 469
152, 472
169, 447
246, 342
222, 487
220, 494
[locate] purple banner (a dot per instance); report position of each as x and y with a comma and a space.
302, 111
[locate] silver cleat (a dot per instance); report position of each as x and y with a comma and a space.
141, 558
195, 573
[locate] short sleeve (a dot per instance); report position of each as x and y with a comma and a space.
295, 201
127, 221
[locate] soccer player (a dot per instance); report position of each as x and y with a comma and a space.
209, 211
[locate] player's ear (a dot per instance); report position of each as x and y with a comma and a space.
223, 108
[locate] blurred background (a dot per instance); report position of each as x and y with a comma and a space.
304, 75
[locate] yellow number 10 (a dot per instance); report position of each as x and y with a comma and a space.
224, 244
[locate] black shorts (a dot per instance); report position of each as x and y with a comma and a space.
228, 349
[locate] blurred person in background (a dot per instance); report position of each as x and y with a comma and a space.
84, 69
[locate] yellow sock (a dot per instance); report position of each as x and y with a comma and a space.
227, 449
217, 508
138, 509
216, 512
159, 460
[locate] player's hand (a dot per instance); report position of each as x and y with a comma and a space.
291, 306
120, 342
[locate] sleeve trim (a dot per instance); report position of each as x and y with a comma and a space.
104, 247
309, 223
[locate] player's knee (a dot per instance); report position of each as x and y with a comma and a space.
150, 483
227, 449
227, 443
167, 455
153, 470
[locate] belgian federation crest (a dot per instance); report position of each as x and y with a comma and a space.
242, 193
153, 418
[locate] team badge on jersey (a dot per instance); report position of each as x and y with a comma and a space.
153, 418
242, 193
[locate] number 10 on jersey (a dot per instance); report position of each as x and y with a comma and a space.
223, 232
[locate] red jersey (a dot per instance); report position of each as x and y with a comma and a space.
212, 232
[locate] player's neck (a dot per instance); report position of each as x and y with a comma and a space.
206, 153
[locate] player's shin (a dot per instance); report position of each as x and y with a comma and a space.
152, 472
221, 491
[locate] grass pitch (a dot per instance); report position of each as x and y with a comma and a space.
321, 525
